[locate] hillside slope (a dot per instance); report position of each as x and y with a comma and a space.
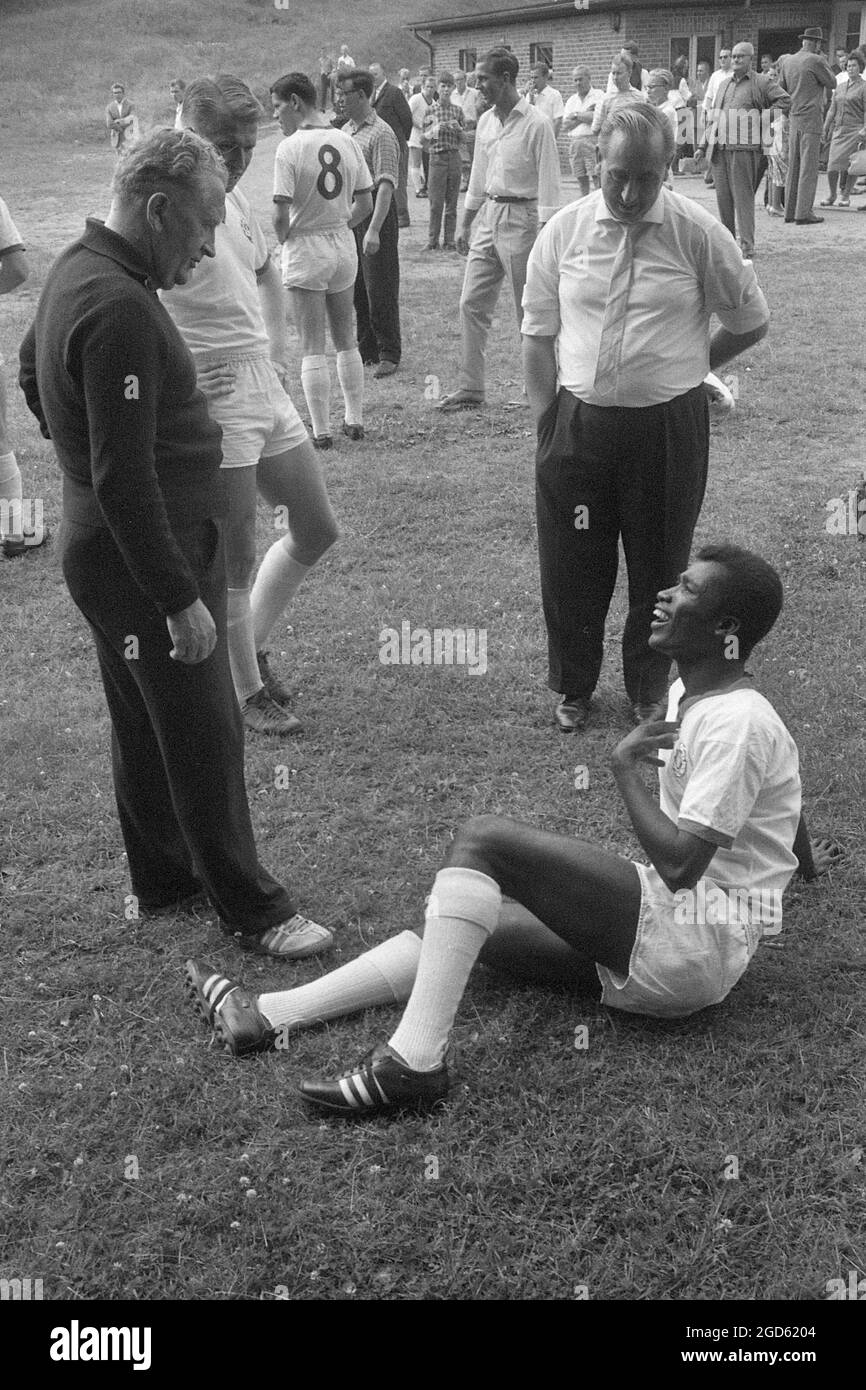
58, 58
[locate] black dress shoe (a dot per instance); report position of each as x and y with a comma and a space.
572, 713
807, 221
650, 711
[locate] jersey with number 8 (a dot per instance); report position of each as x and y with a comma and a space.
320, 169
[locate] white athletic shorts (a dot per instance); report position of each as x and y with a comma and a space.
677, 969
325, 261
258, 417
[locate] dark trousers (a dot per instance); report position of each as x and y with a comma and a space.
804, 149
737, 174
377, 293
177, 737
443, 188
641, 475
402, 194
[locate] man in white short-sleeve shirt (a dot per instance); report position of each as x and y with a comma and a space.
21, 527
620, 290
577, 122
545, 98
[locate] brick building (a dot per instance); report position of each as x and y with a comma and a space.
562, 35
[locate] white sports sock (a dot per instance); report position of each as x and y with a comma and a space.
316, 381
277, 582
11, 492
242, 648
384, 975
463, 911
350, 374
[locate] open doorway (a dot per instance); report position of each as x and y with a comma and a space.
776, 42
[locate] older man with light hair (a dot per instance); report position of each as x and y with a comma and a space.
113, 386
620, 291
577, 122
735, 137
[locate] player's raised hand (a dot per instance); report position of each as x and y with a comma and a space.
644, 742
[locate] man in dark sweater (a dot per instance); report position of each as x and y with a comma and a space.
108, 377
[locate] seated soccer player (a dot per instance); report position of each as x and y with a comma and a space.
665, 938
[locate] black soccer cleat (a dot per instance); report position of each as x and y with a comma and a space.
383, 1082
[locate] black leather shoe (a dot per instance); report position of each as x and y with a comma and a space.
807, 221
381, 1083
572, 713
355, 432
650, 711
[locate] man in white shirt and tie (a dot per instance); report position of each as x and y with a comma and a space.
515, 184
619, 293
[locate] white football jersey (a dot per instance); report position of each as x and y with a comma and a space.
320, 169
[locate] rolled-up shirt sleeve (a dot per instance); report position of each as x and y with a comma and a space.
541, 292
549, 186
731, 289
477, 189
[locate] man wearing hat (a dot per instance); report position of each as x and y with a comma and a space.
810, 81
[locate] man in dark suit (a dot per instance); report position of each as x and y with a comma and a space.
390, 103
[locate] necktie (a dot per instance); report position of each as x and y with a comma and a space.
613, 326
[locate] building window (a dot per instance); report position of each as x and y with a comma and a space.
679, 49
852, 38
467, 58
541, 53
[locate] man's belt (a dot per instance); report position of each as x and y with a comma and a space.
495, 198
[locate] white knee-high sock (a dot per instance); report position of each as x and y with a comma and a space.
462, 913
11, 492
350, 374
242, 648
316, 381
276, 583
384, 975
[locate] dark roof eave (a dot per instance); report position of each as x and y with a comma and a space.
482, 18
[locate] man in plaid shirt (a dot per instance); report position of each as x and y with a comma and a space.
377, 288
443, 131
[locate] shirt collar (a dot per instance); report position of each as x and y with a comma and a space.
654, 214
745, 682
368, 120
99, 238
520, 108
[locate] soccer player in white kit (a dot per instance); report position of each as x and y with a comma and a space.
322, 189
231, 315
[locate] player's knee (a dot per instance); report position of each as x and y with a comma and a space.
479, 837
